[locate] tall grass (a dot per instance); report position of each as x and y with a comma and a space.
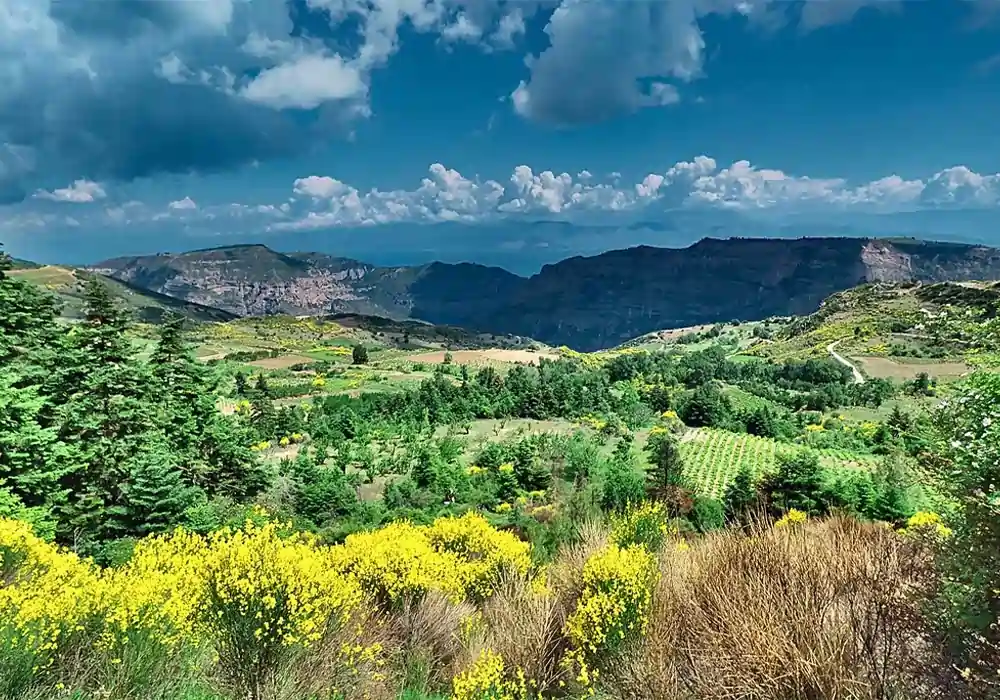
827, 609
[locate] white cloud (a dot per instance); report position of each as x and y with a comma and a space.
445, 194
80, 192
185, 204
962, 187
64, 66
306, 82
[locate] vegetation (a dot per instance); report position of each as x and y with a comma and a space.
678, 522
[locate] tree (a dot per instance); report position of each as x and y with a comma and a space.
359, 355
762, 422
706, 406
798, 484
621, 487
740, 497
966, 462
666, 464
242, 385
155, 495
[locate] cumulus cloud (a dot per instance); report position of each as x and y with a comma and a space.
306, 83
447, 195
123, 89
185, 204
80, 192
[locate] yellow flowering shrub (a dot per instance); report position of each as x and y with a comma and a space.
484, 552
461, 557
259, 597
397, 562
489, 679
613, 607
792, 517
925, 523
156, 593
46, 598
275, 590
645, 524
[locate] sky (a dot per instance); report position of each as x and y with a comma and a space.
512, 133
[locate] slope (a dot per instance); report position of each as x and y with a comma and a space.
146, 306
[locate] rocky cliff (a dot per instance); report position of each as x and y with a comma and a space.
586, 303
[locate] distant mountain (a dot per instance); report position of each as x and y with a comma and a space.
584, 302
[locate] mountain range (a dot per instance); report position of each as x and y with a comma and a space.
584, 302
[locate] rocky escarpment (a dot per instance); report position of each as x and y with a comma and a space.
586, 303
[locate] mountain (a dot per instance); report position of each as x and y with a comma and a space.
584, 302
145, 305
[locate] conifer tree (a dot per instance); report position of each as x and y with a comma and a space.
155, 495
740, 497
798, 484
666, 463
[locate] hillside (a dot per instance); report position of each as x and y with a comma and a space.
584, 302
146, 305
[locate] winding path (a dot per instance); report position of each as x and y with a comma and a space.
858, 377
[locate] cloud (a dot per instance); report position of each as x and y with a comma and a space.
447, 195
306, 83
80, 192
696, 188
123, 89
185, 204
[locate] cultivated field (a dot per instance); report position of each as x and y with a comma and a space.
281, 362
892, 369
713, 458
477, 357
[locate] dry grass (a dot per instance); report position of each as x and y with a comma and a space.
430, 638
323, 667
823, 611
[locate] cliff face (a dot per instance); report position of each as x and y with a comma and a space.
586, 303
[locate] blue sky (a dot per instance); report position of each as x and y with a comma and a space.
400, 130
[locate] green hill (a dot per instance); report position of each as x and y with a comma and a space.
147, 306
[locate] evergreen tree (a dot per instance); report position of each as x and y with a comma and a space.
359, 355
104, 411
740, 497
666, 464
797, 484
155, 495
242, 386
891, 502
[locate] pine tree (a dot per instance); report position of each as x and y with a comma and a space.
155, 496
27, 316
359, 355
798, 484
104, 411
666, 463
242, 386
740, 497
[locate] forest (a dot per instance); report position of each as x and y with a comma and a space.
685, 523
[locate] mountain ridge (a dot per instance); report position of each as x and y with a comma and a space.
587, 302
